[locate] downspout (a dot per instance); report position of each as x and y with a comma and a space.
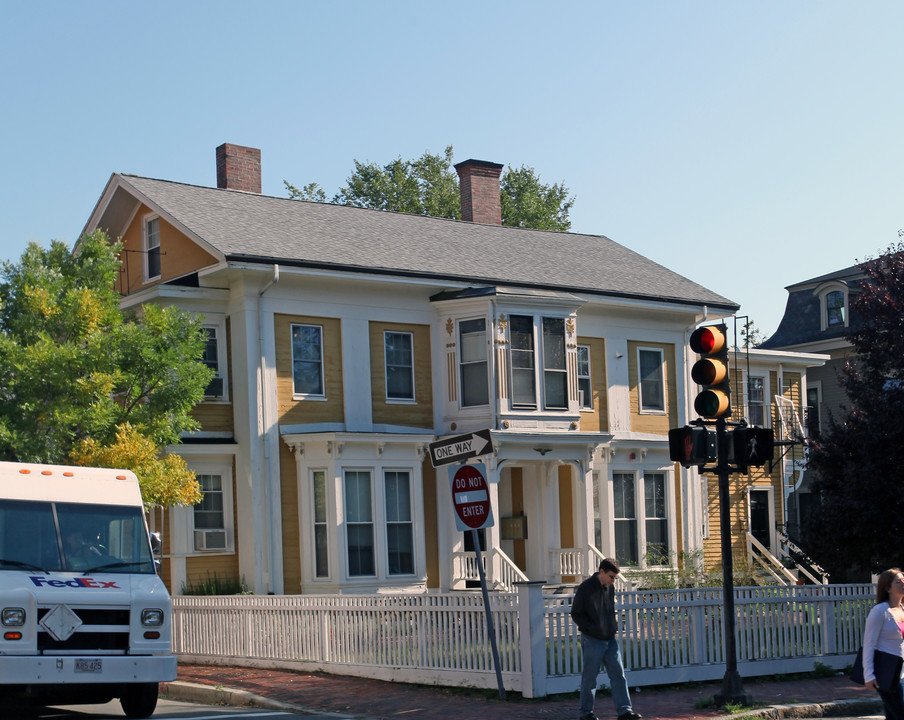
492, 337
274, 501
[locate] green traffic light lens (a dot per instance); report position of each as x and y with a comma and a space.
711, 404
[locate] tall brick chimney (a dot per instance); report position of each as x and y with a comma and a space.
478, 181
239, 168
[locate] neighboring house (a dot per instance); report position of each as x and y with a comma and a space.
768, 388
817, 318
345, 340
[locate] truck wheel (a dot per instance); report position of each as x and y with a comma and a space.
140, 700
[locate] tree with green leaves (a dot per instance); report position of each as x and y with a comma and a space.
82, 382
428, 185
857, 459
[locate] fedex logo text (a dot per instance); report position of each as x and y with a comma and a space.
74, 582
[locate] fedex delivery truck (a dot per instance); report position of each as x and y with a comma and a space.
83, 614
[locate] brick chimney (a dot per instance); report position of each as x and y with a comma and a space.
239, 168
479, 185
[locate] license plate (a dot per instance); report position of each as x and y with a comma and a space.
85, 665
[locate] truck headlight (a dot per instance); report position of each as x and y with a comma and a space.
152, 617
13, 617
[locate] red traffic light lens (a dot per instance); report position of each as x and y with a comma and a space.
707, 340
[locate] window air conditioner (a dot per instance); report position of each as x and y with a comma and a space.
210, 539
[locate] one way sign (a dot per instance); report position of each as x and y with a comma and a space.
460, 447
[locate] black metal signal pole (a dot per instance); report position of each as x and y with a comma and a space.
732, 690
491, 632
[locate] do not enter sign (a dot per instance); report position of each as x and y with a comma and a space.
471, 497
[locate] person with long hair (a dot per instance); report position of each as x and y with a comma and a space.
885, 631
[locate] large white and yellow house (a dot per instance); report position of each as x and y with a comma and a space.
346, 340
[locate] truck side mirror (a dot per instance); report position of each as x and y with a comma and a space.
156, 543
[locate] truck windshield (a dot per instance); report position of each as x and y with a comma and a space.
75, 537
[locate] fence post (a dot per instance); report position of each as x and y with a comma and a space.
532, 634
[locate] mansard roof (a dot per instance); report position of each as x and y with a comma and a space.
247, 227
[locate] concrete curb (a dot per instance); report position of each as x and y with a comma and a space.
218, 695
836, 708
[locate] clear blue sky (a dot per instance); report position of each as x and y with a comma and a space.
747, 145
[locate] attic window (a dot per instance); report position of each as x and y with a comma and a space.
152, 248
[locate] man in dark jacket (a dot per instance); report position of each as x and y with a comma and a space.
593, 610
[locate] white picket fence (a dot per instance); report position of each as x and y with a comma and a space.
667, 635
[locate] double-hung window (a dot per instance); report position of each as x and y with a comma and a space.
211, 358
210, 514
152, 248
756, 401
625, 512
399, 525
321, 530
524, 356
472, 337
585, 387
359, 522
524, 390
399, 354
555, 372
655, 520
652, 385
307, 359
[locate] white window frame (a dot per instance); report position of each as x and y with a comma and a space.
538, 368
765, 399
399, 400
824, 293
643, 410
409, 522
225, 474
588, 379
219, 332
146, 239
303, 395
372, 522
462, 363
817, 387
318, 523
639, 477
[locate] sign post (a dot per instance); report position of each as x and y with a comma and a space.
471, 499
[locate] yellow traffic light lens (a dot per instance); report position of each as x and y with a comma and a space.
709, 371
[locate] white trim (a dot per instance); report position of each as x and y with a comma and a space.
665, 404
146, 220
403, 400
308, 396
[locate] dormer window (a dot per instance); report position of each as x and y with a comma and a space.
835, 312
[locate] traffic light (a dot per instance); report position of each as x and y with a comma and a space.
711, 371
692, 445
752, 446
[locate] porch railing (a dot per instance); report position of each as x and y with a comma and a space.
667, 636
501, 571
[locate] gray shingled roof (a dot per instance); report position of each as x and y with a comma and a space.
257, 227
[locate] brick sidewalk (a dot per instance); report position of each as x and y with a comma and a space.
378, 699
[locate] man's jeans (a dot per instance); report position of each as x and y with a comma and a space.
605, 653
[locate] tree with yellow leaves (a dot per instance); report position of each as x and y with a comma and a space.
82, 382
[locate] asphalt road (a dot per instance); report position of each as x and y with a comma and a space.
168, 709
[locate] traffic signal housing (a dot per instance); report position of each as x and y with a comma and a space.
692, 445
752, 446
711, 371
